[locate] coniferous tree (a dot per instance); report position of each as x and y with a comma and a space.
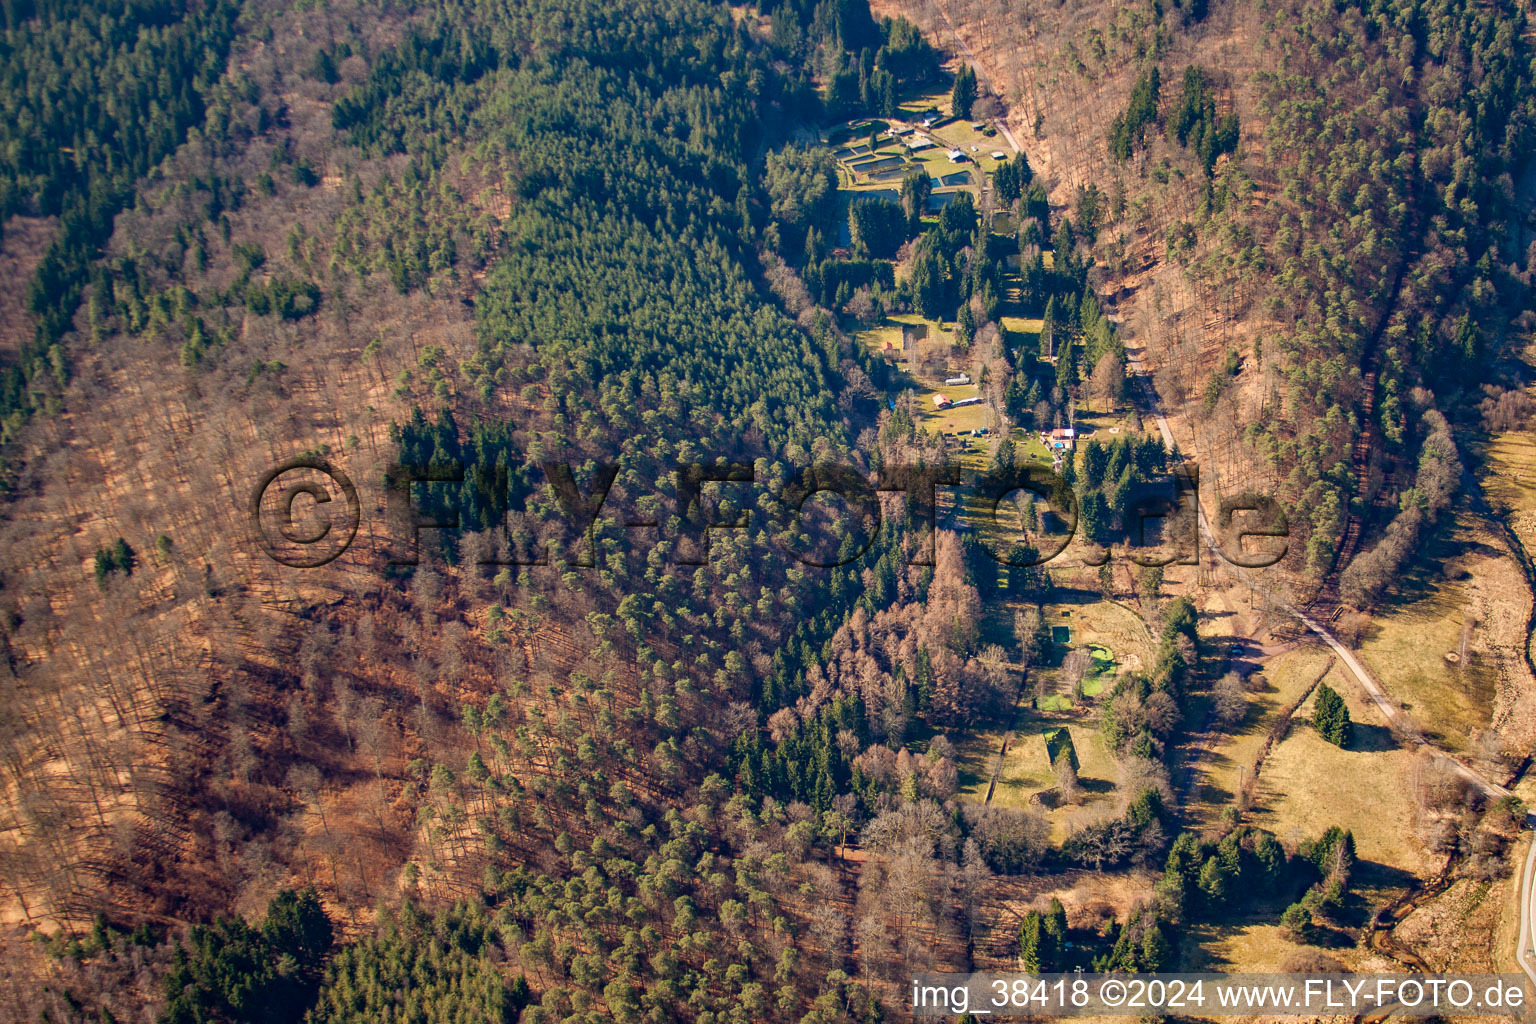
1330, 717
963, 95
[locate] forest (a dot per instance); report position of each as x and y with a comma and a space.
661, 769
94, 96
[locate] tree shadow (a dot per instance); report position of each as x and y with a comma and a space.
1372, 738
1425, 573
1200, 780
1375, 874
1328, 937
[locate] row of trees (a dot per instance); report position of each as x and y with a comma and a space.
1371, 573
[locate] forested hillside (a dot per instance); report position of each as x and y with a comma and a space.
491, 764
93, 98
624, 316
1338, 193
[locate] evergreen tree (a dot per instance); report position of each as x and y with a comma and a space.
1330, 717
1030, 941
916, 186
1048, 329
963, 96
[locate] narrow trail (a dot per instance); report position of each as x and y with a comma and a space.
1373, 690
965, 51
1378, 938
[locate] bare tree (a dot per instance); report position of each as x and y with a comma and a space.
1013, 841
1229, 703
1067, 787
1108, 381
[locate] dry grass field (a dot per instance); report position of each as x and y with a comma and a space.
975, 756
1450, 650
1510, 482
1106, 630
1299, 793
1240, 946
1229, 762
1027, 771
1026, 765
1407, 649
1094, 620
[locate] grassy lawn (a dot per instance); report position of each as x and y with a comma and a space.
862, 168
1058, 745
955, 132
948, 421
1026, 769
1093, 760
875, 338
1030, 443
1511, 483
1114, 637
938, 334
1111, 627
1057, 725
1101, 672
1022, 324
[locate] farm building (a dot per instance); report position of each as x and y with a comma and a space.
958, 379
941, 402
973, 400
918, 145
998, 154
956, 156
